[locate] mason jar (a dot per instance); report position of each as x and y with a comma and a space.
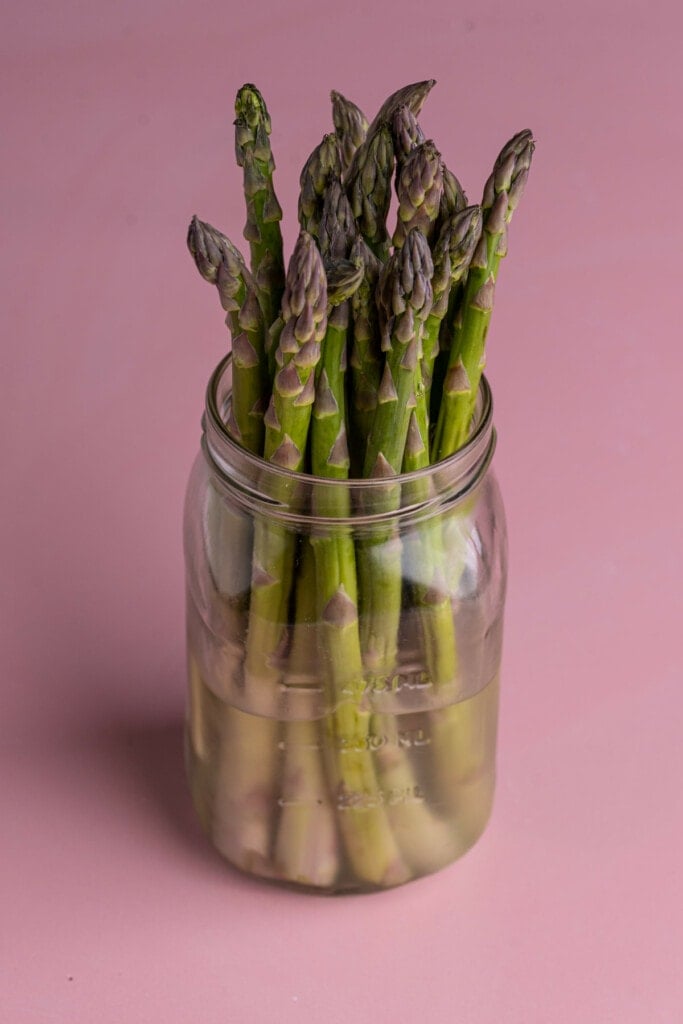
344, 646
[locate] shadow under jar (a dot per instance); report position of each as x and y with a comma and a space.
344, 643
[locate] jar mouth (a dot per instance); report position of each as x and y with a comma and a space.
275, 486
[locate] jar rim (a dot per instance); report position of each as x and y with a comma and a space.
263, 479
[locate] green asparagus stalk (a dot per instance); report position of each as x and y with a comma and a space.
220, 263
304, 313
350, 125
368, 839
328, 216
452, 255
247, 776
467, 354
426, 842
306, 848
366, 357
405, 299
322, 167
262, 229
320, 175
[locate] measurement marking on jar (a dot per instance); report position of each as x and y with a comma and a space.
366, 799
399, 681
405, 738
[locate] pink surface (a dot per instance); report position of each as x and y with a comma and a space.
116, 129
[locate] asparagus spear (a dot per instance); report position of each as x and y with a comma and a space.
304, 315
419, 188
304, 311
351, 127
405, 299
249, 743
325, 212
322, 167
466, 360
306, 848
366, 355
220, 263
424, 556
368, 839
452, 254
262, 229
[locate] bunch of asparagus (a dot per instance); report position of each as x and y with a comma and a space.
362, 359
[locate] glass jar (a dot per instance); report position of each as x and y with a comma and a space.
344, 644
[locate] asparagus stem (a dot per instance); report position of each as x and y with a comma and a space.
425, 553
405, 301
426, 841
306, 845
231, 762
369, 842
366, 355
423, 562
405, 298
452, 255
304, 314
262, 229
350, 125
467, 354
367, 836
219, 262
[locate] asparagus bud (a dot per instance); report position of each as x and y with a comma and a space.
322, 167
453, 198
406, 132
351, 126
369, 189
411, 96
419, 188
337, 230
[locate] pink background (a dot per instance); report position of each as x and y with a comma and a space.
116, 129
